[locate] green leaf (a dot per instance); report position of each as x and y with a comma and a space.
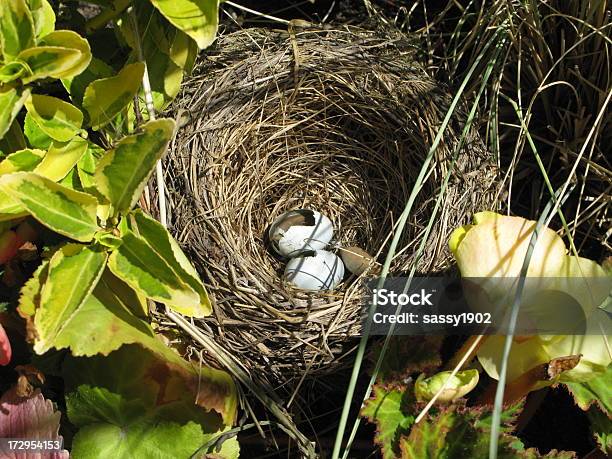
76, 86
386, 408
168, 52
107, 97
141, 267
22, 160
61, 158
44, 17
165, 245
74, 271
197, 18
596, 391
65, 211
71, 180
148, 414
16, 27
11, 101
123, 172
58, 119
36, 137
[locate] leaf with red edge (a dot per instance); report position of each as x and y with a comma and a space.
5, 348
33, 418
596, 391
456, 432
388, 408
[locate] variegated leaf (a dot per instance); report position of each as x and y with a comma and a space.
60, 54
58, 119
22, 160
16, 28
71, 40
11, 101
147, 272
197, 18
36, 137
74, 271
61, 158
44, 17
123, 172
166, 247
65, 211
105, 98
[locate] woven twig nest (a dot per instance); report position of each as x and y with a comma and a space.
338, 121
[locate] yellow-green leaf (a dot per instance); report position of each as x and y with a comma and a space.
48, 61
29, 295
36, 137
44, 17
142, 268
16, 27
71, 40
61, 158
76, 86
455, 386
74, 271
166, 247
65, 211
197, 18
22, 160
106, 97
103, 321
86, 167
12, 71
10, 209
123, 172
11, 101
58, 119
60, 54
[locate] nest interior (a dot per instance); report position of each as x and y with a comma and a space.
339, 121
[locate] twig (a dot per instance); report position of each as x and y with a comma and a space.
256, 13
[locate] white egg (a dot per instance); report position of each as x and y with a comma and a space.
319, 270
300, 230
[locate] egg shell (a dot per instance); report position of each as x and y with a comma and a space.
299, 231
319, 270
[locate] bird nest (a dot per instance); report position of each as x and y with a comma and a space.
339, 121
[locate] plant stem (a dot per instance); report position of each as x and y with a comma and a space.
148, 96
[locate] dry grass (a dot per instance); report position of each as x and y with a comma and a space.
557, 70
338, 120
